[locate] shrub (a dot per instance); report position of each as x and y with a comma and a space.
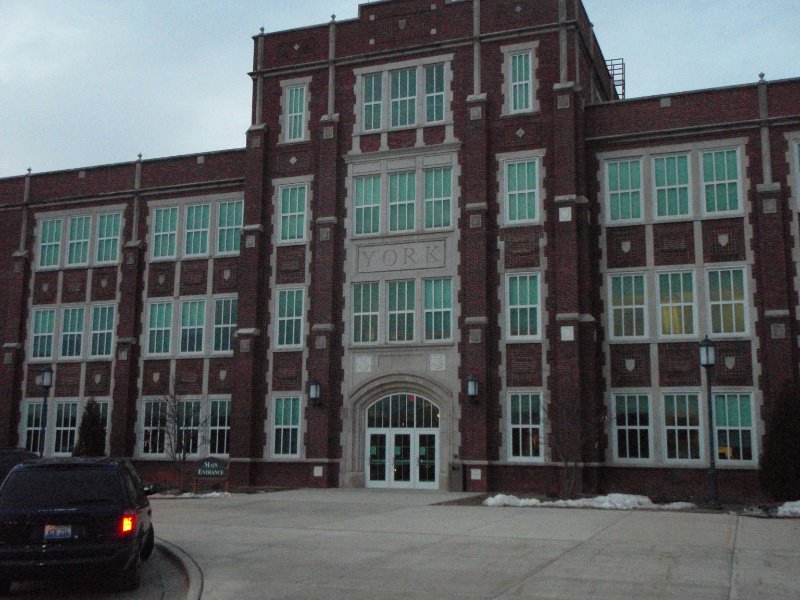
92, 433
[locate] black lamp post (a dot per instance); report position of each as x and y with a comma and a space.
46, 380
472, 388
708, 358
313, 392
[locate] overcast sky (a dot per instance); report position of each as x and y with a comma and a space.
86, 82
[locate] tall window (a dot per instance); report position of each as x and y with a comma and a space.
293, 212
434, 93
682, 425
721, 181
225, 310
632, 425
368, 204
438, 195
290, 318
66, 427
229, 226
108, 226
365, 313
522, 300
165, 231
188, 427
438, 309
628, 305
526, 425
734, 426
33, 427
197, 224
296, 113
102, 330
521, 191
401, 310
44, 323
676, 303
154, 426
403, 96
373, 97
159, 328
726, 298
672, 185
219, 427
49, 243
521, 84
72, 332
78, 240
624, 189
193, 322
402, 188
286, 429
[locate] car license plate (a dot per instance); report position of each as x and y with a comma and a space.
57, 532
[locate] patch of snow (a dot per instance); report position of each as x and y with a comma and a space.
611, 501
789, 509
192, 495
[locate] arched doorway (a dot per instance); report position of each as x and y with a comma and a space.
402, 443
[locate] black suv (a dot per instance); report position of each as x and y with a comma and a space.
64, 517
11, 457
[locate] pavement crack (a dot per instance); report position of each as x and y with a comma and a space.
733, 557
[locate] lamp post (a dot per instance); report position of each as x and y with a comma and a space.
472, 388
46, 380
708, 359
313, 392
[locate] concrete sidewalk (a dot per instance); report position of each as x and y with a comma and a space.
386, 544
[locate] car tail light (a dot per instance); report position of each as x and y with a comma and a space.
127, 524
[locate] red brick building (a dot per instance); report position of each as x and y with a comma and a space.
435, 196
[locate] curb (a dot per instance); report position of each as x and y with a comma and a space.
187, 564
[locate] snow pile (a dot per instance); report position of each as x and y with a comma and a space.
611, 501
192, 495
789, 509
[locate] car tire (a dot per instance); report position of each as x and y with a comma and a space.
5, 587
131, 577
149, 542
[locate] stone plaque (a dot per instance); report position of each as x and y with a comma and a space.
363, 363
401, 257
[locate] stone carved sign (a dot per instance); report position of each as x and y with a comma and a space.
401, 257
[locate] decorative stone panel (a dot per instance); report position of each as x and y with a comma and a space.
74, 285
630, 365
723, 240
734, 364
68, 380
45, 287
291, 262
625, 246
673, 243
98, 379
220, 376
161, 279
155, 380
104, 284
524, 365
193, 277
679, 364
287, 372
225, 275
522, 247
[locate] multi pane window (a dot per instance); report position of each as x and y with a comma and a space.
676, 303
438, 195
682, 426
72, 332
188, 427
526, 425
521, 191
521, 84
154, 426
225, 310
33, 427
44, 325
286, 429
108, 226
672, 185
402, 188
438, 309
523, 305
734, 426
368, 204
219, 427
403, 96
229, 226
434, 93
159, 328
197, 223
721, 181
66, 427
102, 330
290, 318
624, 189
401, 310
628, 305
78, 240
49, 243
632, 425
165, 232
296, 113
373, 98
193, 321
293, 212
365, 312
726, 298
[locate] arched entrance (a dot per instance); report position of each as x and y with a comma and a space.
402, 443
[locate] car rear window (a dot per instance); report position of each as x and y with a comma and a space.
46, 488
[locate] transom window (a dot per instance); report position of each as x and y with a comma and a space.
290, 318
293, 213
726, 298
438, 309
296, 113
403, 97
521, 191
624, 189
628, 304
682, 426
403, 411
402, 188
434, 93
78, 244
197, 225
522, 300
721, 181
401, 310
632, 425
521, 82
676, 303
365, 312
672, 185
286, 429
193, 321
525, 413
734, 427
